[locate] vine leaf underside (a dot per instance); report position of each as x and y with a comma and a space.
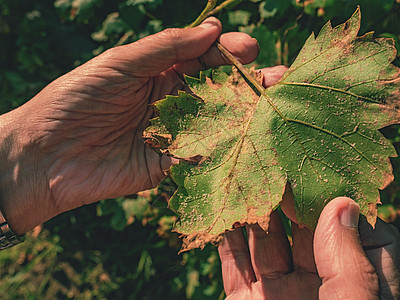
317, 128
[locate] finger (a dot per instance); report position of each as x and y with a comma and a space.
157, 53
270, 252
237, 272
341, 262
272, 75
287, 203
303, 253
241, 45
382, 247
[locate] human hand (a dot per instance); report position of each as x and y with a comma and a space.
80, 139
351, 269
266, 267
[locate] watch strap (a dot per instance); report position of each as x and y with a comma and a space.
7, 237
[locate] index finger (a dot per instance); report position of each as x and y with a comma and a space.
271, 75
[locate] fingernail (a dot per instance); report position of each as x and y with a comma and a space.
350, 214
208, 23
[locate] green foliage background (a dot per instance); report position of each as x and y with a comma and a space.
124, 248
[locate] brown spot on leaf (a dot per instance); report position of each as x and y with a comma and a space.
199, 240
212, 84
253, 217
392, 107
372, 214
196, 160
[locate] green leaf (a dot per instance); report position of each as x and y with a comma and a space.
113, 24
317, 129
138, 2
270, 8
239, 17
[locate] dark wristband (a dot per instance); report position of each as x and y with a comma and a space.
7, 237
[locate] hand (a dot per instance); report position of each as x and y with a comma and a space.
351, 269
266, 267
80, 139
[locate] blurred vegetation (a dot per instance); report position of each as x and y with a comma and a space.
124, 248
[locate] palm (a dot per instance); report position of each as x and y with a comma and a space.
90, 121
104, 154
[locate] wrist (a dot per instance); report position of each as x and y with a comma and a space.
7, 237
24, 201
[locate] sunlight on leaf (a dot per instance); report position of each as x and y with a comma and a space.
317, 129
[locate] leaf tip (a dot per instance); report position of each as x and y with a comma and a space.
372, 214
199, 240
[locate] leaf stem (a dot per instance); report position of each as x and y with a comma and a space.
254, 84
223, 5
211, 10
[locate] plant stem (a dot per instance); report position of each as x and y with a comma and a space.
211, 10
223, 5
204, 14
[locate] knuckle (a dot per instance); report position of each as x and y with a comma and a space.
173, 37
171, 32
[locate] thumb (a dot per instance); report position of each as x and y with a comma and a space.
341, 262
158, 52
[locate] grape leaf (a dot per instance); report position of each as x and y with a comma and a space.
317, 128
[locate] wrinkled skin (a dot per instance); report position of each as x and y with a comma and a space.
80, 139
331, 264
